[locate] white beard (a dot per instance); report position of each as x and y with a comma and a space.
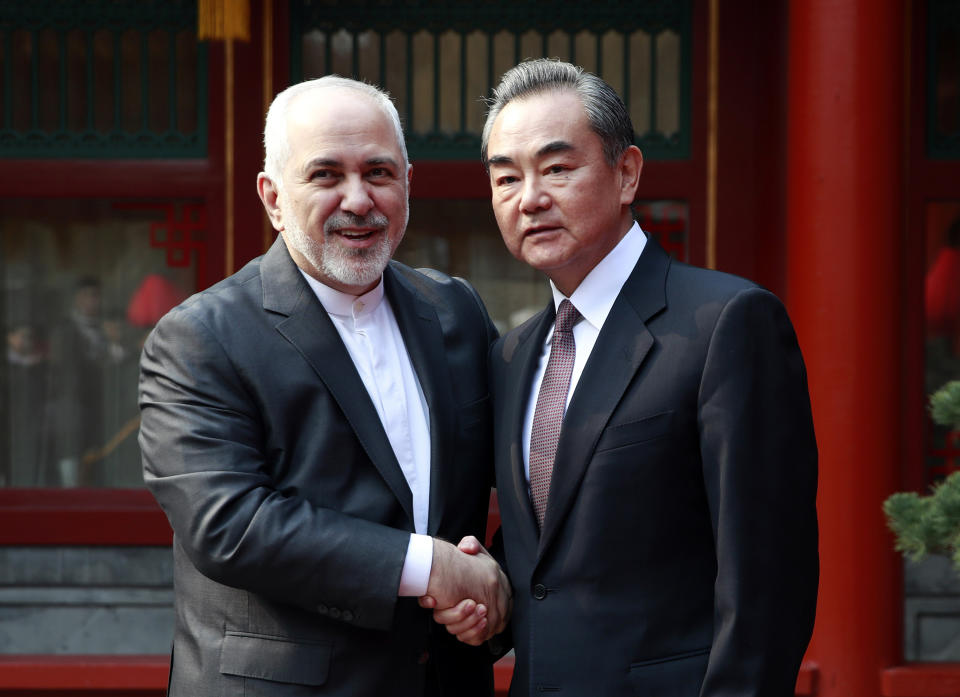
349, 266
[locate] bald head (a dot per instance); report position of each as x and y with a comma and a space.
285, 106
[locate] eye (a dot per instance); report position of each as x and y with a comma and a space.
556, 169
322, 174
505, 180
379, 172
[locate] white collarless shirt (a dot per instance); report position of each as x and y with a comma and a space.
369, 331
593, 298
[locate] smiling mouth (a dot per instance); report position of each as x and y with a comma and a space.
357, 235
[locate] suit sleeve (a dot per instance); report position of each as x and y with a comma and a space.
201, 439
760, 469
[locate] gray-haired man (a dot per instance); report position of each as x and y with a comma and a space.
304, 433
655, 455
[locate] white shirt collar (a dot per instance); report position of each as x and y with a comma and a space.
342, 304
595, 295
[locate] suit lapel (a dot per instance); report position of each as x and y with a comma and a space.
522, 356
308, 327
623, 343
423, 338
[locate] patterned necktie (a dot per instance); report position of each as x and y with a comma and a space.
551, 404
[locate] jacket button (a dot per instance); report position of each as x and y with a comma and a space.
322, 609
335, 613
539, 591
347, 616
424, 657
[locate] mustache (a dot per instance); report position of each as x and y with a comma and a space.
342, 220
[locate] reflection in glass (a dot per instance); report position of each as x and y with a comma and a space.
82, 284
942, 313
460, 237
946, 82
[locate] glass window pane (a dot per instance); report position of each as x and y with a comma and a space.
477, 80
85, 83
558, 45
368, 57
460, 237
423, 83
612, 52
942, 303
48, 75
504, 54
931, 586
341, 62
446, 68
585, 48
83, 282
450, 82
396, 79
943, 78
668, 83
313, 44
640, 82
531, 45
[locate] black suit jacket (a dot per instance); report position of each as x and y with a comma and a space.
679, 551
291, 515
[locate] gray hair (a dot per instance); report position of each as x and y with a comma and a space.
606, 112
275, 142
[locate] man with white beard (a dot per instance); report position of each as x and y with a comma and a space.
303, 431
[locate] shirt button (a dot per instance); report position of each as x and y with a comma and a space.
539, 591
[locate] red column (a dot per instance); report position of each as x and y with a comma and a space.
844, 230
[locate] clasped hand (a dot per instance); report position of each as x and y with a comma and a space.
468, 591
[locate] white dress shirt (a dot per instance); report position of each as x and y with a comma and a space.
369, 330
593, 298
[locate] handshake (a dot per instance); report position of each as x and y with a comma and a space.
468, 591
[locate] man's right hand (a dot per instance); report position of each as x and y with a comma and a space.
469, 590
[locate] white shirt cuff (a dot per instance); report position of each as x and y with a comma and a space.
416, 567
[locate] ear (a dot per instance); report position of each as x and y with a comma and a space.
409, 178
270, 195
631, 164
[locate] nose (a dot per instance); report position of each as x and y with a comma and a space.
533, 197
356, 196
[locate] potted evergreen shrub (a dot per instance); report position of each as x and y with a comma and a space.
930, 524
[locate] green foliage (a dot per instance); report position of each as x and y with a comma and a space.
945, 405
931, 524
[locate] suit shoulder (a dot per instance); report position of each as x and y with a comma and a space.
717, 284
697, 289
439, 288
223, 297
423, 278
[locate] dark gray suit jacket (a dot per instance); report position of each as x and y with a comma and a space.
679, 550
291, 515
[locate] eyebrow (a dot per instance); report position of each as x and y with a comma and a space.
383, 161
500, 160
554, 146
322, 162
551, 147
331, 162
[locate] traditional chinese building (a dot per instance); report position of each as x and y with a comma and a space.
811, 145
